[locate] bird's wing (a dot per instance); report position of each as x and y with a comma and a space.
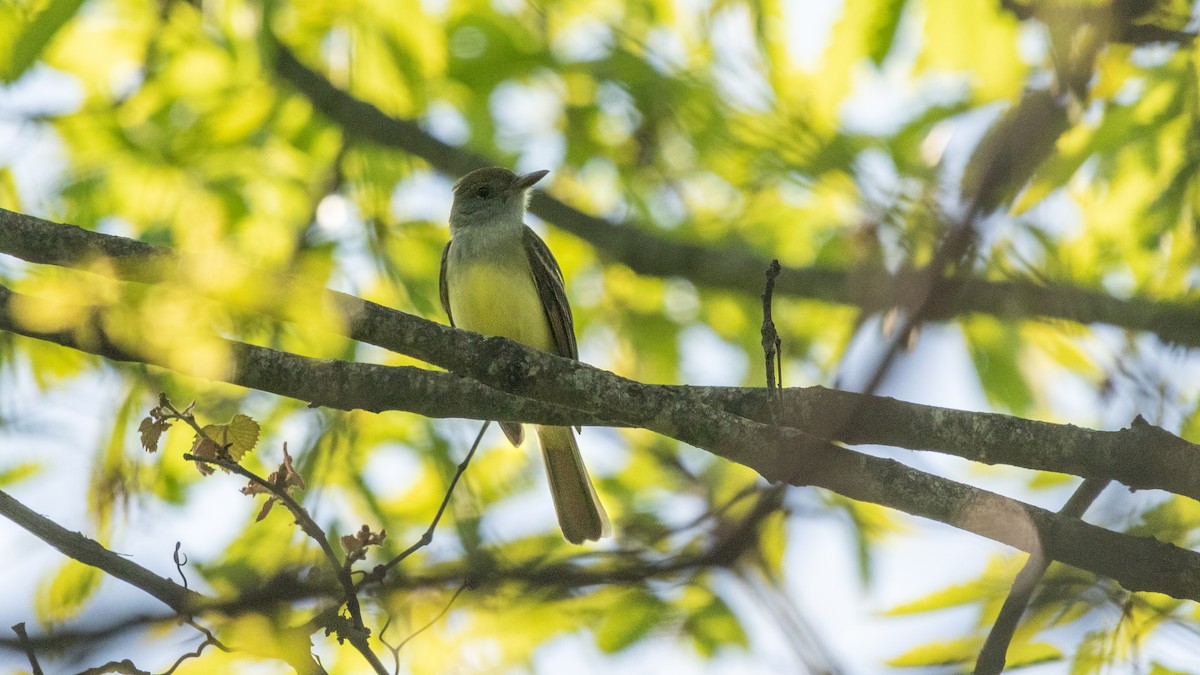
443, 288
549, 281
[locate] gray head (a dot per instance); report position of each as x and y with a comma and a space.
491, 194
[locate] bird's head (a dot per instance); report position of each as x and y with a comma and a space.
490, 195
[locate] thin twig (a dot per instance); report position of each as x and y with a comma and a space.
396, 650
357, 633
180, 559
427, 537
303, 519
771, 344
209, 639
23, 637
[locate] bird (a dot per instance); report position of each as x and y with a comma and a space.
499, 278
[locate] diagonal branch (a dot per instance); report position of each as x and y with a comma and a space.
1142, 457
777, 453
731, 268
89, 552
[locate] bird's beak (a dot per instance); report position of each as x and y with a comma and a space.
526, 181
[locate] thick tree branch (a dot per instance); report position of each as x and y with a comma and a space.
89, 552
1142, 457
777, 453
872, 289
329, 383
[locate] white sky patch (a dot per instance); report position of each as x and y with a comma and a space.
445, 123
706, 359
423, 195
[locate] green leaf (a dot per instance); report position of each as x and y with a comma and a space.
871, 523
639, 611
1028, 654
32, 41
1175, 520
713, 625
1159, 669
238, 437
18, 472
995, 349
995, 579
1191, 426
64, 595
772, 545
1073, 149
883, 29
10, 197
1092, 654
111, 483
943, 653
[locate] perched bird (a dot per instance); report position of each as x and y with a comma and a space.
499, 278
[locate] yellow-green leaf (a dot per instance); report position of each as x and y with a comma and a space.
64, 594
943, 653
33, 40
713, 625
639, 611
237, 438
985, 586
1028, 654
18, 472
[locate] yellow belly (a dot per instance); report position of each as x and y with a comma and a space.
500, 301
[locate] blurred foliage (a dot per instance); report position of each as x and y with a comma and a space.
724, 123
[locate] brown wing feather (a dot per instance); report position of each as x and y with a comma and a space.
443, 288
549, 281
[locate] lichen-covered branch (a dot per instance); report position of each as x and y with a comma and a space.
89, 552
1141, 457
778, 453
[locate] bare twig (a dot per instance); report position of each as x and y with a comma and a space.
396, 650
209, 639
180, 559
303, 519
89, 552
427, 537
357, 633
771, 343
23, 638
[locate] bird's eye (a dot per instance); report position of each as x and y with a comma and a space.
484, 192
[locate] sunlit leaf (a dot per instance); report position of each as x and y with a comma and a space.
16, 473
711, 624
640, 613
37, 34
1028, 654
236, 438
887, 18
995, 580
941, 653
773, 543
995, 350
65, 593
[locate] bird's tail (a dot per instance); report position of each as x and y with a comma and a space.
580, 514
